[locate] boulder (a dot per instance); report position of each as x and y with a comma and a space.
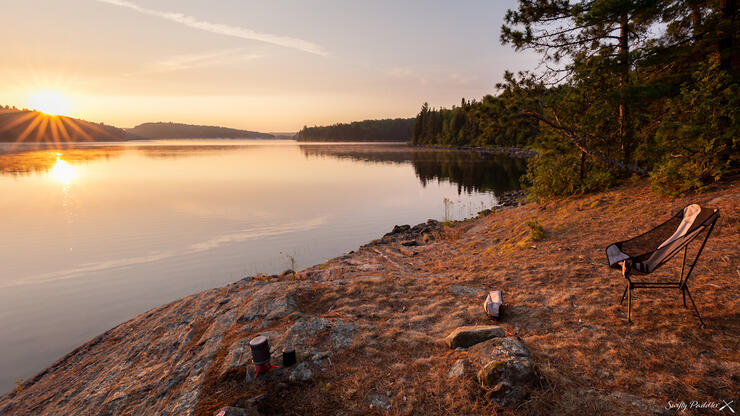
467, 336
507, 372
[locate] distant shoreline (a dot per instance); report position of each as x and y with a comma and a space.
509, 151
354, 140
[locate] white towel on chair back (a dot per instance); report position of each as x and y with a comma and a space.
689, 215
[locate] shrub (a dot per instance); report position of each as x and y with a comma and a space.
553, 175
536, 232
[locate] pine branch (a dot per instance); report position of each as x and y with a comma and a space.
574, 137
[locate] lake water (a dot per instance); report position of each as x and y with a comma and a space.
95, 234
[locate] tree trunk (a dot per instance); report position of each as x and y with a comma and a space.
727, 58
695, 18
625, 135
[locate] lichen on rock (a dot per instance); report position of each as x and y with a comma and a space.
507, 373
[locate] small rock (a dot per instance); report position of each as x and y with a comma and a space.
466, 336
588, 328
400, 229
458, 369
410, 243
319, 355
379, 400
236, 411
466, 290
301, 372
407, 251
257, 399
287, 273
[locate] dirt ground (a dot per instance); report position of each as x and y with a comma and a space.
560, 299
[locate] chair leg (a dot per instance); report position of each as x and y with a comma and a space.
684, 296
621, 301
686, 288
629, 305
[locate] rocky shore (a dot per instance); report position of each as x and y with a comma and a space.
397, 327
509, 151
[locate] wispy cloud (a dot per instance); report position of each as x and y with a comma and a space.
221, 29
202, 60
432, 77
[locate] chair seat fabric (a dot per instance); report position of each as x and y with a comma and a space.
646, 252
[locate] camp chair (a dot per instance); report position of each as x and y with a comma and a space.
645, 253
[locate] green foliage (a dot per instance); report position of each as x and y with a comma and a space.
367, 130
536, 232
698, 136
630, 87
475, 123
556, 174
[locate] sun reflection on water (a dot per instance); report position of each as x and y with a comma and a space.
62, 171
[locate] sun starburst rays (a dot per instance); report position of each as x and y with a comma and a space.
30, 127
38, 127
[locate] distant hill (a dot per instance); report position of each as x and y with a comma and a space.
27, 126
189, 131
396, 129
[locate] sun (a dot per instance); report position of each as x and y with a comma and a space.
49, 102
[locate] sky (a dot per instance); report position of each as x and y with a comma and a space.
271, 66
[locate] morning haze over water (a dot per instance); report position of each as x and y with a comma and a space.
99, 232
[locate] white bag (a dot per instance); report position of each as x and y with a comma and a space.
492, 304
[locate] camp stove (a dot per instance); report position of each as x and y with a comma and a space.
261, 355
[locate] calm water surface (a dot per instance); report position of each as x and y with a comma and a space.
96, 234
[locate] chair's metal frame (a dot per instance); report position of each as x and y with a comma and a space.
682, 283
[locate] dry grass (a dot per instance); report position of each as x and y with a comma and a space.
560, 299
